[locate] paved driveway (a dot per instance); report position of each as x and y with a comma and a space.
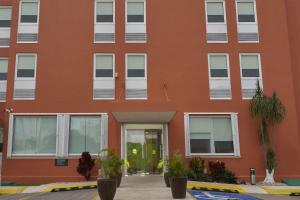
69, 195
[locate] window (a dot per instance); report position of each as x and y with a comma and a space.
218, 66
3, 69
211, 134
85, 134
104, 66
26, 66
246, 11
136, 66
105, 12
29, 12
34, 135
135, 12
215, 12
5, 17
250, 65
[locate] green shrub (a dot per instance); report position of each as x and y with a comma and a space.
176, 166
229, 177
219, 173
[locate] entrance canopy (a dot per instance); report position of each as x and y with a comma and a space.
144, 117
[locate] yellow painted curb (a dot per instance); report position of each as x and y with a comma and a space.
67, 187
211, 186
11, 190
281, 191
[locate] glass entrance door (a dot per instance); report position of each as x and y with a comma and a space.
144, 152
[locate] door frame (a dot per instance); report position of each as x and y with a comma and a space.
131, 126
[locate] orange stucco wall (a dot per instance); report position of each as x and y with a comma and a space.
177, 56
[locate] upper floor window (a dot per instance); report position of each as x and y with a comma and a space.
136, 66
246, 11
26, 65
3, 69
215, 12
250, 65
5, 16
105, 11
29, 12
104, 66
218, 65
136, 11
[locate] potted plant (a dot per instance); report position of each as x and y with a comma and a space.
107, 183
178, 180
118, 170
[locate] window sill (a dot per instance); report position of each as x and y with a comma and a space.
213, 155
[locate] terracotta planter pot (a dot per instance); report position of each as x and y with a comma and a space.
107, 188
167, 180
178, 187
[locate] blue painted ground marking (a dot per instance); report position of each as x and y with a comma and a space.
204, 195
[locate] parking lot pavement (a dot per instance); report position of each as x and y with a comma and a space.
275, 197
68, 195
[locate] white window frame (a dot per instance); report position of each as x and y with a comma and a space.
259, 68
10, 155
95, 11
95, 67
220, 78
235, 134
135, 1
136, 78
6, 28
20, 13
237, 14
16, 66
227, 62
224, 8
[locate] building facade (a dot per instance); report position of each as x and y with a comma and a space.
146, 78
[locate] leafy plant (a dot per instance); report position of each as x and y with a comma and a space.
216, 170
196, 164
229, 177
85, 165
109, 163
176, 166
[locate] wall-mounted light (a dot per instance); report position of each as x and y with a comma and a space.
9, 110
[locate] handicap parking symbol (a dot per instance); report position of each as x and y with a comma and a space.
203, 195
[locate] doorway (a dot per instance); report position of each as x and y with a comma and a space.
143, 149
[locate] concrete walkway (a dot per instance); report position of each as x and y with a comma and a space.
144, 187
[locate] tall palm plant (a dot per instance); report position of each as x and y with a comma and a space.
276, 115
268, 110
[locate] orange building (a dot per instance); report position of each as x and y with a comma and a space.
144, 77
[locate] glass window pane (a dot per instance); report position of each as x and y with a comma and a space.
215, 12
29, 12
246, 12
85, 134
245, 8
46, 137
5, 13
223, 135
5, 17
135, 12
136, 66
249, 62
77, 135
3, 65
105, 12
218, 66
34, 135
104, 66
26, 66
93, 134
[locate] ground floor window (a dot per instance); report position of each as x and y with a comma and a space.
58, 135
85, 134
34, 135
211, 134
